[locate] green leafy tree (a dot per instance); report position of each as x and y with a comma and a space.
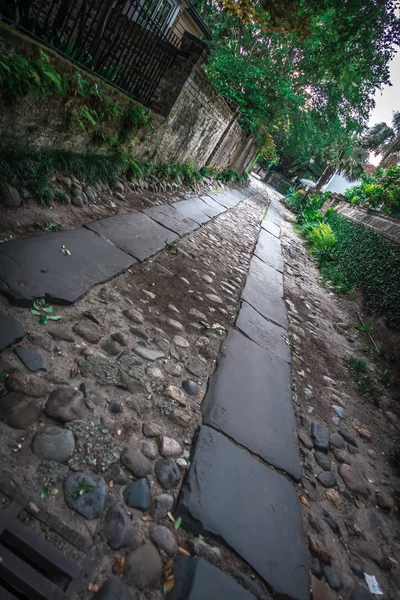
385, 140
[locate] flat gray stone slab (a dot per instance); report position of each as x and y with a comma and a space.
226, 199
11, 331
264, 292
268, 249
196, 579
194, 209
36, 267
266, 334
135, 233
271, 227
213, 209
255, 509
249, 399
169, 217
274, 217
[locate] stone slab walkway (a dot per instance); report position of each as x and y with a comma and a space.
247, 416
63, 266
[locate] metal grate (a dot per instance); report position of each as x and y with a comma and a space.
124, 42
30, 567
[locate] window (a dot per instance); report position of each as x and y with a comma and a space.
148, 12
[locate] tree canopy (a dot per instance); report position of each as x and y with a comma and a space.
303, 71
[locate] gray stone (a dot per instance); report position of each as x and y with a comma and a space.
77, 198
214, 298
196, 579
120, 337
149, 449
113, 589
60, 332
320, 435
11, 197
207, 279
164, 539
135, 233
66, 404
383, 500
209, 553
339, 410
175, 324
92, 396
90, 503
193, 209
118, 527
341, 455
18, 411
346, 435
196, 313
170, 447
316, 568
271, 227
88, 330
264, 292
155, 374
108, 294
112, 348
268, 531
171, 391
337, 441
115, 407
35, 268
180, 342
151, 430
129, 359
140, 333
245, 370
265, 333
353, 480
357, 569
327, 479
385, 402
137, 494
136, 462
32, 360
144, 567
27, 384
361, 593
305, 440
162, 343
11, 331
117, 475
162, 505
308, 394
173, 369
268, 249
90, 194
54, 443
167, 473
248, 582
333, 578
167, 216
148, 353
42, 342
197, 366
323, 461
97, 315
191, 387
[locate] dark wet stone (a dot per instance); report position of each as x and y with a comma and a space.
137, 494
357, 569
144, 567
92, 395
63, 278
315, 526
66, 404
32, 360
162, 505
348, 437
118, 527
117, 475
250, 585
115, 407
197, 367
113, 589
11, 331
167, 473
164, 539
361, 593
90, 504
120, 338
112, 348
323, 461
316, 568
18, 411
331, 521
268, 528
320, 435
54, 443
327, 479
140, 333
196, 579
352, 480
191, 387
333, 578
136, 462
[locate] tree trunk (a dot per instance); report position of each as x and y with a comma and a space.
325, 177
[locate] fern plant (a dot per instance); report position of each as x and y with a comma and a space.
321, 237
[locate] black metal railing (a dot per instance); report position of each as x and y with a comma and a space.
124, 42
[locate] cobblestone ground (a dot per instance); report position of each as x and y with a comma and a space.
106, 442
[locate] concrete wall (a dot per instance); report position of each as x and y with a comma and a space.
338, 184
191, 122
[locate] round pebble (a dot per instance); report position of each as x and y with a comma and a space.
191, 387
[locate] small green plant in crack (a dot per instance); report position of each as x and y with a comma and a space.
45, 313
171, 248
48, 226
358, 368
82, 488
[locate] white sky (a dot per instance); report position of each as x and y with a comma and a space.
387, 101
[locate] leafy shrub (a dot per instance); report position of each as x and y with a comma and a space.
321, 237
381, 191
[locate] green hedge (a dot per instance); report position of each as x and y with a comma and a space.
364, 259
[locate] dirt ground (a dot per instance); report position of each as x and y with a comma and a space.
356, 532
181, 301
